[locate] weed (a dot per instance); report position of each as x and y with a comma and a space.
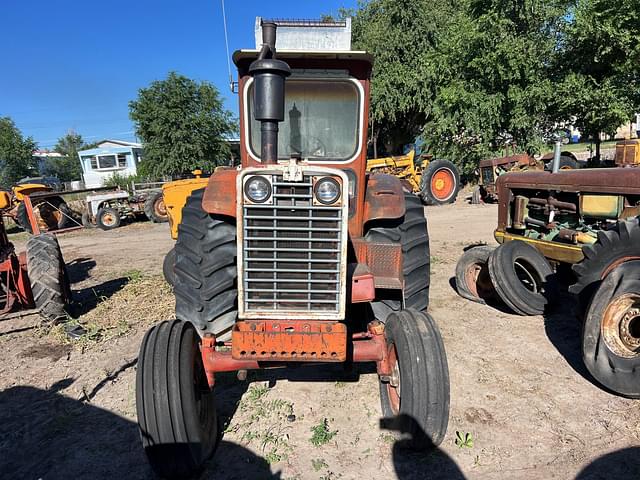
435, 260
387, 437
318, 464
321, 433
464, 440
341, 384
133, 275
256, 392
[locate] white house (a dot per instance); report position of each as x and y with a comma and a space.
109, 157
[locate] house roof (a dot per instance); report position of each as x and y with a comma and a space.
120, 142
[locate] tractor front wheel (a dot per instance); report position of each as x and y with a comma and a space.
108, 218
415, 397
440, 183
175, 405
155, 209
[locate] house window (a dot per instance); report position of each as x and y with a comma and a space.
106, 161
94, 163
122, 160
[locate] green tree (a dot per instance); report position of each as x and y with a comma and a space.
16, 153
599, 67
182, 124
67, 167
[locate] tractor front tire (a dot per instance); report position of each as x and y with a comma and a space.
520, 275
611, 331
205, 270
108, 218
415, 398
440, 183
155, 209
48, 277
412, 233
175, 405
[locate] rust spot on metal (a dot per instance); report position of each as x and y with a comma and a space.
276, 340
384, 198
220, 193
621, 325
363, 287
384, 261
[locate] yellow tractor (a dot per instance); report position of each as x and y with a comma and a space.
436, 181
51, 212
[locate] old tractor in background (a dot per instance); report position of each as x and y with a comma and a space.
436, 181
35, 280
50, 210
587, 219
296, 257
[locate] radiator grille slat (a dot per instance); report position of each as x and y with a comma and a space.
292, 251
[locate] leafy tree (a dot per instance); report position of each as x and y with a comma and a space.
600, 82
182, 124
67, 167
16, 160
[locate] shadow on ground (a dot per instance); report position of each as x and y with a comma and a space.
86, 299
622, 464
79, 269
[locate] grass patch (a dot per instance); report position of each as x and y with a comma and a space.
322, 434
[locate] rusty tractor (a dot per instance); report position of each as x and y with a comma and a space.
34, 280
587, 219
296, 257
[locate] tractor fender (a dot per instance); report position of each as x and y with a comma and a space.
384, 198
220, 193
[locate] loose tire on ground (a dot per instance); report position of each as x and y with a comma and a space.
613, 247
155, 209
520, 275
175, 406
86, 221
611, 331
47, 274
418, 403
476, 196
168, 266
205, 270
473, 281
566, 163
108, 218
440, 183
412, 233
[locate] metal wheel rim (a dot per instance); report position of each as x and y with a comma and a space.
394, 391
108, 219
528, 277
160, 208
443, 184
620, 325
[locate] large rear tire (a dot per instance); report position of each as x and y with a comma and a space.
155, 209
416, 396
175, 406
205, 270
47, 274
440, 183
53, 213
613, 247
473, 281
412, 233
611, 331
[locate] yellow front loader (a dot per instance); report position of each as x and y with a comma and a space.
436, 181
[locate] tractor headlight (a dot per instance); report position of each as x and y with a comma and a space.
257, 189
327, 191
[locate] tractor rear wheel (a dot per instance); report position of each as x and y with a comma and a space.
415, 397
48, 277
205, 270
611, 331
175, 405
412, 233
473, 281
520, 275
155, 209
440, 183
168, 266
52, 213
613, 247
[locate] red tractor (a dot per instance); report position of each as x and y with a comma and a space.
35, 279
298, 256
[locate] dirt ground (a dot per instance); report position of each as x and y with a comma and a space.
518, 386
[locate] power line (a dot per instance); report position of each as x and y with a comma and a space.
226, 42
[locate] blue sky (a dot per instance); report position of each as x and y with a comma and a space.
75, 64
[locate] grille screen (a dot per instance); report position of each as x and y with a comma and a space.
292, 251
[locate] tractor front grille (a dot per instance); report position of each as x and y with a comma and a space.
292, 252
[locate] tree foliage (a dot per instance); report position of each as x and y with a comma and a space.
473, 76
66, 168
16, 153
182, 124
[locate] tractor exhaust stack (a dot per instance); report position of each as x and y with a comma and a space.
268, 74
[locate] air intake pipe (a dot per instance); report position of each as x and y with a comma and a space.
268, 92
